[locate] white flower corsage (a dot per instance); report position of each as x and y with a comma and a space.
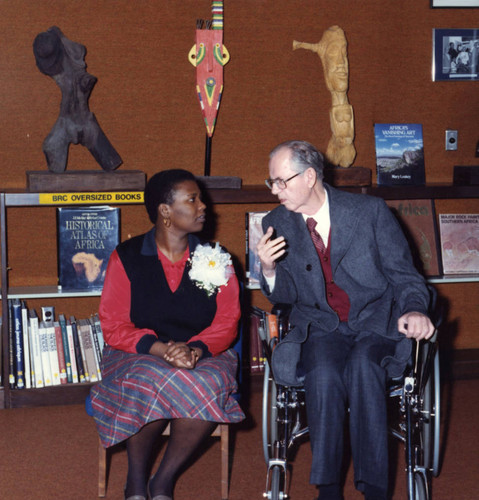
210, 267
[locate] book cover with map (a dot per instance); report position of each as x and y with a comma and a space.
86, 238
399, 154
459, 243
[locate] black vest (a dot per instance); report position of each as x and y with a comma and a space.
174, 316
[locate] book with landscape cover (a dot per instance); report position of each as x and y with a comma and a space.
459, 243
254, 231
399, 154
86, 238
418, 222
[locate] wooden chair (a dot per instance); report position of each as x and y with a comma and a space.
221, 431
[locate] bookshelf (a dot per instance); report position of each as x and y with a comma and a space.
248, 194
52, 395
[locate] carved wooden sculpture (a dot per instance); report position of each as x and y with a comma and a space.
63, 60
332, 50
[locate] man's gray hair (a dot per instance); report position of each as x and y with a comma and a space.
303, 156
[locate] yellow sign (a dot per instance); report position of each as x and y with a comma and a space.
89, 198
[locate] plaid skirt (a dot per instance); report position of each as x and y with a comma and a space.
139, 388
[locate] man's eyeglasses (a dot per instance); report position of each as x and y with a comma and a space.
280, 183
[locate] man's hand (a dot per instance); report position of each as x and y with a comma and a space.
269, 251
416, 325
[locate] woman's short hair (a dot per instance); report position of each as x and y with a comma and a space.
161, 189
303, 156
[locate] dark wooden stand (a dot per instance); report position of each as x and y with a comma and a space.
347, 177
85, 180
219, 182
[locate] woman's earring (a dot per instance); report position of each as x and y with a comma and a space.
166, 222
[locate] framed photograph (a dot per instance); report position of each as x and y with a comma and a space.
435, 4
455, 54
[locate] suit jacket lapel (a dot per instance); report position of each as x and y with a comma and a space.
296, 232
344, 220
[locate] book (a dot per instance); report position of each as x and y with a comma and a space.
78, 351
33, 329
45, 354
254, 232
66, 347
29, 381
11, 347
86, 238
60, 352
99, 331
86, 342
459, 235
18, 339
96, 340
399, 154
418, 222
71, 348
53, 352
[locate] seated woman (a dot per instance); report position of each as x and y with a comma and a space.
169, 312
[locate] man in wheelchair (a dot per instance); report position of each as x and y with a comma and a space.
344, 265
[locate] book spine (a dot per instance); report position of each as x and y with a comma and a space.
66, 349
87, 342
246, 236
61, 356
71, 346
96, 347
78, 351
18, 334
83, 352
11, 347
47, 372
35, 343
26, 348
53, 351
99, 332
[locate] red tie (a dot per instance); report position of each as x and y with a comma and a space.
315, 236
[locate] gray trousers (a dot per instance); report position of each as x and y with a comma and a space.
342, 369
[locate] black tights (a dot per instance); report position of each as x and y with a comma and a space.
185, 437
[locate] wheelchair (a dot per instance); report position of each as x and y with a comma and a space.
416, 395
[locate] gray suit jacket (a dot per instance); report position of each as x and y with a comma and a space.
371, 262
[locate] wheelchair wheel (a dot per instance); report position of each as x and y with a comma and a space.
278, 486
420, 487
432, 412
269, 415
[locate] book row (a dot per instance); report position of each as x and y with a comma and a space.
45, 352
